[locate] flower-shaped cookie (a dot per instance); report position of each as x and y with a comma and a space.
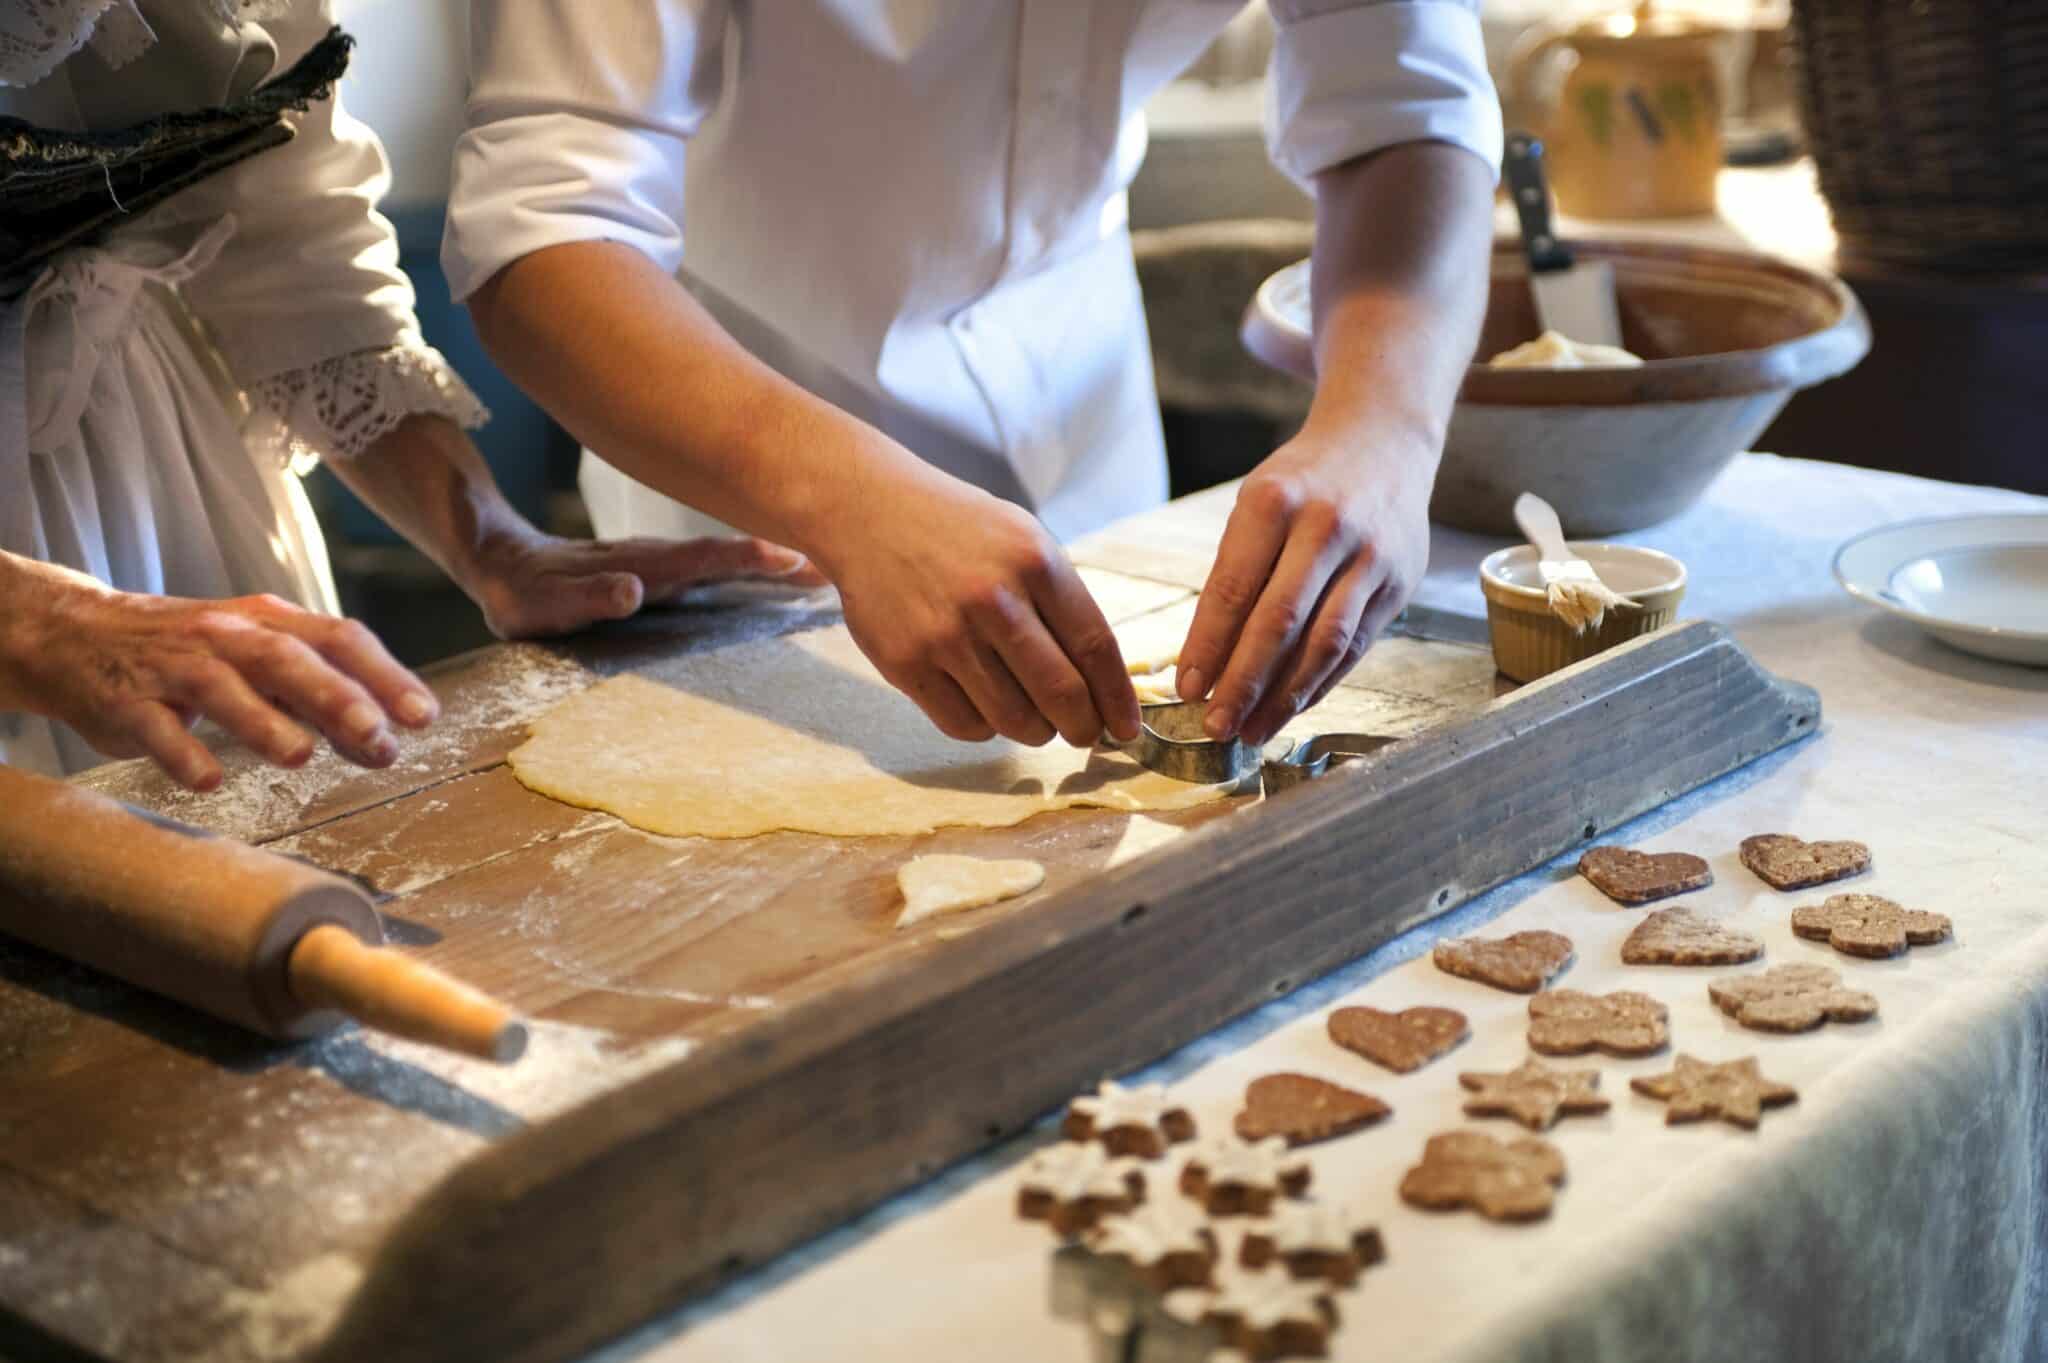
1791, 998
1869, 925
1568, 1022
1140, 1121
1501, 1180
1534, 1094
1736, 1091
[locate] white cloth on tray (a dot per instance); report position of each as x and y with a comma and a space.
1899, 1210
915, 210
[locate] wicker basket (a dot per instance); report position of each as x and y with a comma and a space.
1929, 126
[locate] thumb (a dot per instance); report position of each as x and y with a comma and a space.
564, 605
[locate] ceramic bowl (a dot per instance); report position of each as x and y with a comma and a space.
1530, 642
1977, 583
1727, 338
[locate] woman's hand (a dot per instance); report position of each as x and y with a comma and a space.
131, 672
968, 606
530, 585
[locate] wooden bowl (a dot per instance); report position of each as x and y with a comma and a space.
1726, 337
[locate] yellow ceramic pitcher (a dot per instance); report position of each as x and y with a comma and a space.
1634, 129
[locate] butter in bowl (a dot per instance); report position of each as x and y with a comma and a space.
1531, 641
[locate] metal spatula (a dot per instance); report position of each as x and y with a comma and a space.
1573, 297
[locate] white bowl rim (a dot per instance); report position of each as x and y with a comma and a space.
1879, 597
1489, 567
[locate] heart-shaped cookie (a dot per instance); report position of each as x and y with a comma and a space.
1522, 963
1679, 936
1304, 1110
1403, 1041
1787, 863
1630, 877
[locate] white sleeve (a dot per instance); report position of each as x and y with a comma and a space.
576, 126
307, 302
1350, 77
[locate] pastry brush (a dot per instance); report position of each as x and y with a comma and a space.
1577, 595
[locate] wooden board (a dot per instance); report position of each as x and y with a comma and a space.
738, 1007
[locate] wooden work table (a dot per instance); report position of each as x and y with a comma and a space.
171, 1188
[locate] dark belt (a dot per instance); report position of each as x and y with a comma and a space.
60, 189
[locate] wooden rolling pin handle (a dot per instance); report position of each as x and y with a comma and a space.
332, 968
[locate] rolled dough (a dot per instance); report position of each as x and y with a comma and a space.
943, 883
1555, 350
802, 733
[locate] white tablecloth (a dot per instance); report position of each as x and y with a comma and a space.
1898, 1210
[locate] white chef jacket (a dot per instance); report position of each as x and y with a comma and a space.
913, 208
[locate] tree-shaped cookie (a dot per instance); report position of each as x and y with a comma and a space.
1630, 877
1787, 863
1791, 998
1501, 1180
1534, 1094
1302, 1110
1167, 1241
1568, 1022
1313, 1240
1522, 962
1681, 936
1869, 925
1072, 1185
1695, 1090
1139, 1121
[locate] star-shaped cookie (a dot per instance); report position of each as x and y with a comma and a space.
1791, 998
1869, 925
1735, 1091
1569, 1022
1534, 1094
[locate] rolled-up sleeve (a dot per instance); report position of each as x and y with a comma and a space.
1351, 77
576, 124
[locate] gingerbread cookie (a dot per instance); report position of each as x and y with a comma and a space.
1736, 1091
1522, 963
1263, 1314
1230, 1177
1534, 1094
1403, 1041
1167, 1242
1869, 925
1629, 877
1786, 863
1680, 936
1303, 1110
1072, 1185
1791, 998
1501, 1180
1139, 1121
1568, 1022
1313, 1240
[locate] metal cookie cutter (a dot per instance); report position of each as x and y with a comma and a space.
1171, 742
1311, 757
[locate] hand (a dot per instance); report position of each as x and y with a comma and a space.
130, 672
969, 607
529, 584
1328, 538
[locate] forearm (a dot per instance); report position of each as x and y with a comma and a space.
1399, 290
30, 593
429, 483
621, 355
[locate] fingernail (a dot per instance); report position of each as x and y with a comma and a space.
1125, 730
416, 708
383, 752
1189, 683
361, 721
1220, 723
786, 561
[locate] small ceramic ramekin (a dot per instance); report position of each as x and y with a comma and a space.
1530, 642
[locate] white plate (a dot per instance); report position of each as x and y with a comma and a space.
1979, 583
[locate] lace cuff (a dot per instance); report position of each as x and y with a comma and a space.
36, 36
338, 408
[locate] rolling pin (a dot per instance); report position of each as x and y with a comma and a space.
248, 936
